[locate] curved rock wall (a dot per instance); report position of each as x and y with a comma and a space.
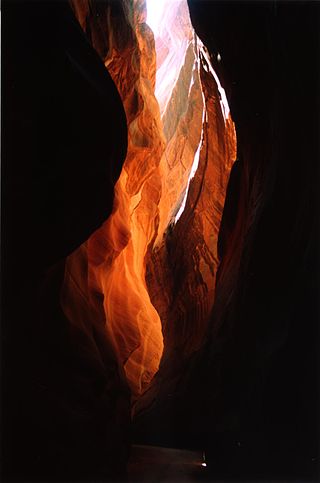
115, 254
250, 393
151, 267
66, 408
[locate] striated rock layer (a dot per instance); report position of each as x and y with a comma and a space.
115, 254
149, 271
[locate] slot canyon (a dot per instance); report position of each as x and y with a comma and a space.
160, 238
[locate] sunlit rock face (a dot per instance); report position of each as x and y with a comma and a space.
148, 273
182, 265
114, 285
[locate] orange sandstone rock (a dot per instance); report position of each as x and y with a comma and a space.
146, 233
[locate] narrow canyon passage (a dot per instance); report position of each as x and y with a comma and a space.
181, 147
160, 270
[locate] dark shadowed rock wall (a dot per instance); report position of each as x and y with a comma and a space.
59, 166
251, 395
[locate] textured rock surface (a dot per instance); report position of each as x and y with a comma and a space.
142, 234
115, 253
250, 394
182, 270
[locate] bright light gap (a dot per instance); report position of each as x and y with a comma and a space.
156, 12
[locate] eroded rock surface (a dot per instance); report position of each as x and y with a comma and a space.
176, 125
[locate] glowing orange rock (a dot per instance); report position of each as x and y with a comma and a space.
148, 232
113, 258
